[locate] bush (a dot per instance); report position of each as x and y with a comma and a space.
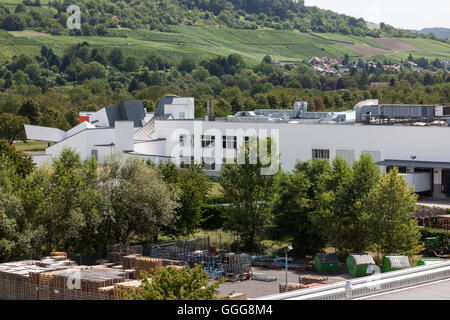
213, 214
444, 235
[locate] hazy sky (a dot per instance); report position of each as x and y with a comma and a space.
406, 14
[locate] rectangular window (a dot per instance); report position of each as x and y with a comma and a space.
186, 140
229, 142
376, 156
321, 154
208, 164
347, 155
186, 162
181, 115
95, 154
208, 141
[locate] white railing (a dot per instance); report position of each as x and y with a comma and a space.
378, 283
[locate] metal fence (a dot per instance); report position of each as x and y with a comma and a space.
379, 283
174, 250
178, 249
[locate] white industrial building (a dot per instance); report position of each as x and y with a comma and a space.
413, 138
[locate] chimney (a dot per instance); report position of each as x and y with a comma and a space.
210, 111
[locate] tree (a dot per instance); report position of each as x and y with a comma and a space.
22, 164
12, 127
18, 238
20, 8
141, 203
30, 109
63, 198
186, 65
350, 211
176, 284
92, 70
200, 73
13, 22
194, 187
249, 192
116, 58
302, 206
392, 205
131, 64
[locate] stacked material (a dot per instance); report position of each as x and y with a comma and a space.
117, 251
119, 288
17, 279
291, 287
147, 264
106, 293
82, 283
130, 273
238, 296
129, 261
263, 277
309, 279
236, 263
58, 256
167, 262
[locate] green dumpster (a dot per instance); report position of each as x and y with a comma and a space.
428, 261
357, 264
432, 243
395, 262
326, 262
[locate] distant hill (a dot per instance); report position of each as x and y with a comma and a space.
288, 30
158, 15
442, 33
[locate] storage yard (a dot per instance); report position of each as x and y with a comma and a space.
56, 277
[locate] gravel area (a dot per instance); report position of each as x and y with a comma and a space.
256, 289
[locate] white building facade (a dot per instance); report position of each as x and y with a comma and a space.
420, 152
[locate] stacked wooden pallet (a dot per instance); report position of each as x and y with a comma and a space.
168, 262
83, 283
291, 287
120, 288
128, 262
18, 280
58, 256
238, 296
147, 264
106, 293
308, 279
117, 251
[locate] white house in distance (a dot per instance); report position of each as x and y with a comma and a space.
414, 138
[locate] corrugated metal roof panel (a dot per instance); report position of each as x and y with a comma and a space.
168, 99
113, 114
132, 111
399, 262
363, 259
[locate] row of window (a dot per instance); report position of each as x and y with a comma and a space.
228, 142
317, 154
207, 163
347, 155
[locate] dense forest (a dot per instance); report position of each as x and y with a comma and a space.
49, 89
99, 16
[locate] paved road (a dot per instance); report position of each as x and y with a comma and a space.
434, 291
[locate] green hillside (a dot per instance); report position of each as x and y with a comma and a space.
203, 42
